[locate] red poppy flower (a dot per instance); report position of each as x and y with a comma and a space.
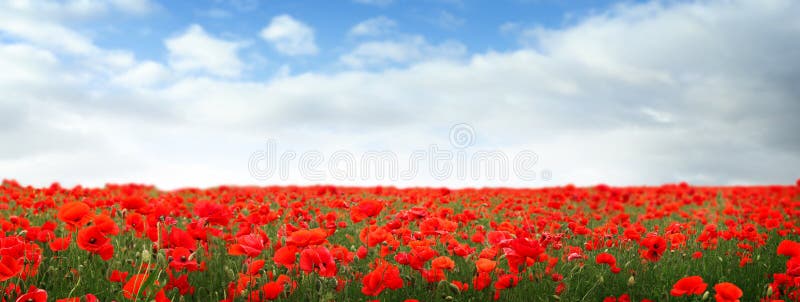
789, 248
362, 252
181, 238
250, 245
366, 209
485, 265
692, 285
273, 289
133, 202
318, 259
133, 288
654, 247
86, 298
506, 281
106, 224
135, 222
60, 244
180, 258
74, 214
342, 254
461, 286
93, 240
118, 276
181, 283
303, 238
33, 295
9, 267
212, 212
481, 281
286, 256
606, 258
727, 292
526, 247
443, 263
622, 298
382, 277
377, 236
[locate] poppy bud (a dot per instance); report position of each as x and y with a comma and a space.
705, 296
631, 281
455, 288
231, 274
146, 256
161, 258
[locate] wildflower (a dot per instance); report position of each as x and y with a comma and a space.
180, 259
365, 209
443, 263
382, 277
485, 265
74, 214
9, 267
654, 247
606, 258
303, 238
60, 244
692, 285
93, 240
249, 245
33, 295
318, 259
133, 287
727, 292
789, 248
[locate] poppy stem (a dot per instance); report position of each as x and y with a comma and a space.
74, 287
592, 288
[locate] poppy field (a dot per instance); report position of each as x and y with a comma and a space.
323, 243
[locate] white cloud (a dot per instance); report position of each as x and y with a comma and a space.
375, 2
45, 33
713, 100
24, 64
144, 74
403, 50
448, 21
377, 26
133, 6
76, 9
196, 51
290, 36
658, 116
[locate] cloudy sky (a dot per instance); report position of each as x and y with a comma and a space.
189, 93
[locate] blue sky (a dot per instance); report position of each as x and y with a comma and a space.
478, 25
193, 93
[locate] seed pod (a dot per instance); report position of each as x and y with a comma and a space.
146, 256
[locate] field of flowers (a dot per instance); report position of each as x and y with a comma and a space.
322, 243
